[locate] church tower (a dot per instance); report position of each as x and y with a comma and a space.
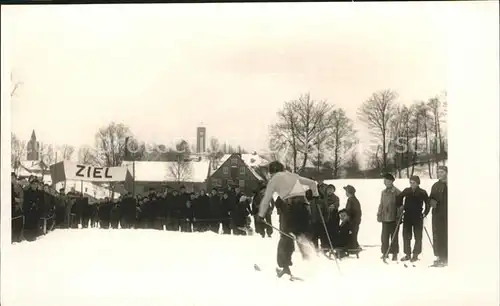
33, 148
201, 135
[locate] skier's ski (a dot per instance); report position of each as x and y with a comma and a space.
291, 277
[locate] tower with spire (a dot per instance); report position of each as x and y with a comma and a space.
33, 148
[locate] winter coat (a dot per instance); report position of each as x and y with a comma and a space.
344, 236
388, 207
240, 213
216, 207
353, 208
414, 200
439, 193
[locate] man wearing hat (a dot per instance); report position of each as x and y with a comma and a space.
413, 218
353, 209
439, 204
387, 214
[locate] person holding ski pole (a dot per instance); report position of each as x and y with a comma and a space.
294, 212
413, 218
387, 214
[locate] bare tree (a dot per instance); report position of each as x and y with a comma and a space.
423, 122
437, 113
314, 119
215, 152
342, 138
86, 155
47, 155
110, 144
66, 152
376, 113
181, 170
399, 138
301, 126
18, 150
283, 135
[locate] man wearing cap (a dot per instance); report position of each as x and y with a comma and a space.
387, 214
439, 204
413, 218
353, 209
294, 212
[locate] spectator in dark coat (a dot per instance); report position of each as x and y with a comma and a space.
261, 227
353, 209
31, 204
345, 239
115, 215
414, 213
439, 203
204, 211
215, 211
128, 207
187, 215
332, 220
105, 213
17, 223
226, 208
239, 216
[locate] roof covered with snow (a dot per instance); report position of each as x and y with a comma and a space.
159, 171
251, 160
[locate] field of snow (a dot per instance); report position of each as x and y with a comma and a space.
149, 267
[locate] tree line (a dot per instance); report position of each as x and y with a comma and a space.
316, 134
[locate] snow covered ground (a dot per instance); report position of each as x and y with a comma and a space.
149, 267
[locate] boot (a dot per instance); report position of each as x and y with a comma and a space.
283, 271
405, 258
394, 257
414, 258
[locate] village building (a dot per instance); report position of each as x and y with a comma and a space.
237, 170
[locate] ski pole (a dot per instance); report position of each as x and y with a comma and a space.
428, 236
280, 231
394, 235
328, 236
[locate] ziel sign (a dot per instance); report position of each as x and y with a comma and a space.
85, 171
67, 170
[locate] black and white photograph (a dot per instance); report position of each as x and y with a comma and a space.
250, 154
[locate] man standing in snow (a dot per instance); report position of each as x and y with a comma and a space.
388, 215
353, 209
413, 218
294, 211
439, 203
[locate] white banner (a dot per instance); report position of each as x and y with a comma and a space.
81, 172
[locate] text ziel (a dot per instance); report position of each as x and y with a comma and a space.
92, 172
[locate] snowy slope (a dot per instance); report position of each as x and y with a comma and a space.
149, 267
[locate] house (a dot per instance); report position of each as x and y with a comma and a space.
157, 174
236, 170
27, 168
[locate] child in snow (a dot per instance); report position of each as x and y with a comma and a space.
344, 239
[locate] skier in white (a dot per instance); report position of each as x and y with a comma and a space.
293, 209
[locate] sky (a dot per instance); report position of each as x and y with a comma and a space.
165, 69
